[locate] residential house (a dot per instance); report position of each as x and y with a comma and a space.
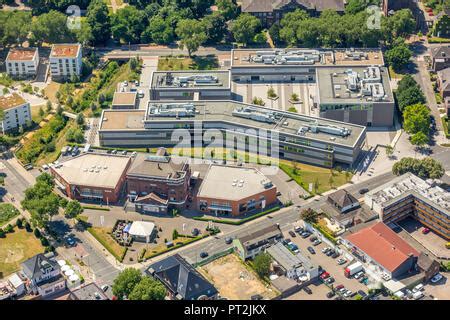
272, 11
440, 57
251, 244
16, 110
22, 62
343, 201
443, 82
182, 281
428, 266
44, 275
65, 60
442, 25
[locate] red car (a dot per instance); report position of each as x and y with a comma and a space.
338, 287
425, 230
325, 275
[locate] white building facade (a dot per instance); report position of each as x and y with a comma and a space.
16, 112
65, 60
22, 62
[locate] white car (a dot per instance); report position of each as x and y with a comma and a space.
437, 277
341, 261
386, 277
348, 293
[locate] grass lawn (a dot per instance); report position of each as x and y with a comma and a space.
104, 237
162, 248
307, 174
60, 141
15, 248
394, 75
7, 212
35, 113
185, 63
50, 91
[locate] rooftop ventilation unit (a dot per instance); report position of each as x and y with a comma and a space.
253, 114
334, 130
172, 110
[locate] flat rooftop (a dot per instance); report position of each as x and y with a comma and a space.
298, 57
124, 98
11, 100
407, 184
282, 121
191, 79
93, 169
233, 183
162, 167
65, 50
354, 85
122, 120
89, 291
21, 54
287, 259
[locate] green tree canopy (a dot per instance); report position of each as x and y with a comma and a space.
228, 8
148, 289
98, 19
127, 24
215, 27
244, 28
51, 28
398, 56
14, 27
425, 168
125, 282
416, 118
191, 33
262, 263
73, 209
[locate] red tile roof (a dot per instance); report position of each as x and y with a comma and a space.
382, 245
21, 54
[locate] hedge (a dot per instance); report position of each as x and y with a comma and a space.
325, 233
96, 208
107, 247
238, 222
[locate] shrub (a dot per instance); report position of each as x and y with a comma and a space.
37, 233
19, 223
2, 233
44, 242
27, 226
9, 228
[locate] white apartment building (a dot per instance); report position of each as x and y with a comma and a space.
16, 112
22, 62
65, 60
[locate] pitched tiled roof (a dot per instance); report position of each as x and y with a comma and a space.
270, 5
33, 267
382, 245
441, 52
342, 198
181, 278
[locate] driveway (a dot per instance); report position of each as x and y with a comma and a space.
149, 65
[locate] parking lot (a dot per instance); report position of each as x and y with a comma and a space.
430, 241
319, 292
327, 263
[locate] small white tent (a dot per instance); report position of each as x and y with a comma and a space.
142, 230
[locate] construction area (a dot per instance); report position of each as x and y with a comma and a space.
234, 280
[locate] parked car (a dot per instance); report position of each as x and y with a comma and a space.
325, 250
70, 241
298, 229
325, 275
335, 255
341, 261
307, 290
203, 254
286, 241
317, 242
425, 230
228, 240
364, 280
419, 287
292, 234
342, 291
339, 287
362, 293
311, 250
363, 190
312, 239
141, 93
105, 287
330, 252
437, 277
358, 275
330, 294
305, 235
330, 280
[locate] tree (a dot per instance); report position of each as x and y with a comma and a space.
75, 135
389, 150
73, 209
98, 20
425, 168
148, 289
125, 282
309, 215
227, 8
261, 264
80, 119
191, 33
419, 139
355, 6
41, 112
215, 27
14, 27
290, 24
19, 223
410, 96
51, 28
316, 185
159, 30
174, 234
244, 28
127, 24
398, 57
416, 118
402, 22
59, 109
48, 106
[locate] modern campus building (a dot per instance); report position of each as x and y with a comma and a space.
65, 60
409, 195
16, 112
272, 11
155, 182
92, 176
124, 100
241, 189
350, 85
22, 62
381, 247
282, 134
190, 85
